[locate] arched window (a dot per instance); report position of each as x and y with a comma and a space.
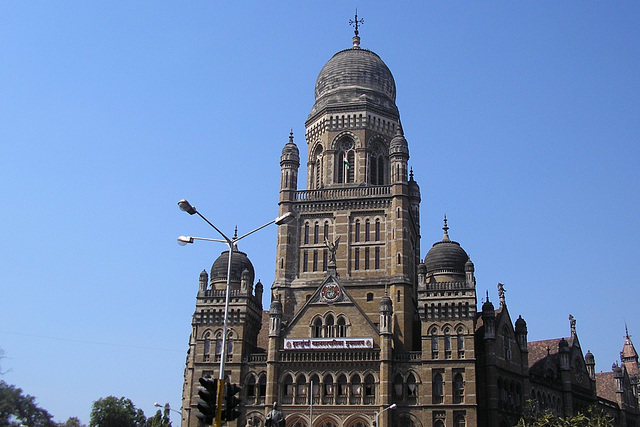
327, 396
316, 232
458, 388
438, 388
434, 345
262, 388
329, 330
251, 389
398, 384
447, 344
460, 343
412, 389
317, 328
343, 389
301, 390
459, 421
207, 346
506, 344
377, 230
318, 168
218, 343
367, 230
342, 328
315, 388
315, 260
345, 161
288, 389
306, 233
356, 235
369, 390
356, 390
326, 229
377, 259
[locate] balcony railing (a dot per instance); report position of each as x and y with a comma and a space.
344, 193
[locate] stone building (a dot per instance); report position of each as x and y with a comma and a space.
358, 321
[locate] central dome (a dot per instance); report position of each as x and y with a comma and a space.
239, 263
355, 76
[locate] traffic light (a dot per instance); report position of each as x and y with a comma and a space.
208, 400
232, 403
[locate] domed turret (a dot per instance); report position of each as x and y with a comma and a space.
521, 326
290, 152
446, 258
398, 144
239, 263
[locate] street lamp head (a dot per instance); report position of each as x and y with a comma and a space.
284, 218
186, 206
157, 405
394, 406
183, 240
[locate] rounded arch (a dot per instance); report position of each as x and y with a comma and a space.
460, 328
297, 420
254, 419
356, 420
326, 420
433, 330
344, 135
405, 419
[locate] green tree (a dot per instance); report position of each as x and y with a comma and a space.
113, 412
17, 409
160, 419
72, 422
592, 418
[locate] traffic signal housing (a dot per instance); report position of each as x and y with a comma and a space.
232, 403
208, 400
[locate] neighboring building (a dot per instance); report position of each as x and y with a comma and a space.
358, 321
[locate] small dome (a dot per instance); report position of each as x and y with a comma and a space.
422, 269
564, 344
469, 266
398, 144
355, 76
290, 151
276, 307
589, 358
521, 326
488, 309
386, 305
239, 263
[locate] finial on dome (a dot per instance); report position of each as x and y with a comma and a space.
411, 173
291, 136
356, 23
445, 238
235, 233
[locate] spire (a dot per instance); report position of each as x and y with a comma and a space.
445, 238
356, 23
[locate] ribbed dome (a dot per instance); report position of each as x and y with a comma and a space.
290, 151
355, 76
239, 263
446, 255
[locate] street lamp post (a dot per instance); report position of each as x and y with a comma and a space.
231, 243
393, 406
167, 406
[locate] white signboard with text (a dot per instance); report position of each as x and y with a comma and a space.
327, 343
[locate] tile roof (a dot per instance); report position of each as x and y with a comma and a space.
606, 386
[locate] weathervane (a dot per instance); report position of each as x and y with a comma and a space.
356, 22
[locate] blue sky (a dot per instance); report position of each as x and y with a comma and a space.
523, 123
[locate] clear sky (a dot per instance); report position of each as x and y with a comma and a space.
523, 123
